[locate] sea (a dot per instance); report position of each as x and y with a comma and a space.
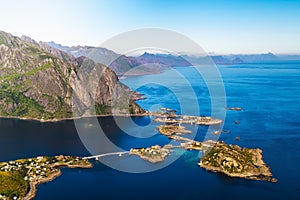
267, 92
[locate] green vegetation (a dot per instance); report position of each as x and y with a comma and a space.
211, 157
22, 106
12, 96
19, 104
16, 176
59, 70
32, 50
8, 39
131, 109
62, 111
101, 109
237, 162
168, 129
12, 184
2, 39
231, 158
17, 76
124, 105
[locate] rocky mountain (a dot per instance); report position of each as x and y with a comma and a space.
121, 64
220, 60
41, 82
167, 59
118, 63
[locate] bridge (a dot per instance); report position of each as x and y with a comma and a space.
105, 154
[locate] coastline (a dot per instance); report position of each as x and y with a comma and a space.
73, 118
249, 176
238, 162
144, 73
34, 184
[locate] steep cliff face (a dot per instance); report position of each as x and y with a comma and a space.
38, 81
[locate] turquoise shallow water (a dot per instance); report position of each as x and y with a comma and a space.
269, 95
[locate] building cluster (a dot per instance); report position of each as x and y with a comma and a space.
192, 145
38, 169
35, 167
152, 151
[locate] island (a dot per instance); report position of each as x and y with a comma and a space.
172, 129
19, 179
152, 154
235, 161
169, 116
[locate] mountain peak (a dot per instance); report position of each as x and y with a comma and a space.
37, 81
29, 40
9, 40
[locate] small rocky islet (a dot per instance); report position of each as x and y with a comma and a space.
235, 161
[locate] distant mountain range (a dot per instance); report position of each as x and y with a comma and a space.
253, 57
146, 63
149, 63
41, 82
243, 58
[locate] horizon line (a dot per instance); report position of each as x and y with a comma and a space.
209, 53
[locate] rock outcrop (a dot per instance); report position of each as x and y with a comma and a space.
41, 82
234, 161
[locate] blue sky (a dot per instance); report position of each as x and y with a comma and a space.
220, 26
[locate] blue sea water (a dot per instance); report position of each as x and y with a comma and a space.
270, 120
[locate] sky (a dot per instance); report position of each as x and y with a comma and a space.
218, 26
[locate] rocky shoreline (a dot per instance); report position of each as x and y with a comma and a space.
234, 161
249, 176
56, 173
34, 184
136, 96
73, 118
